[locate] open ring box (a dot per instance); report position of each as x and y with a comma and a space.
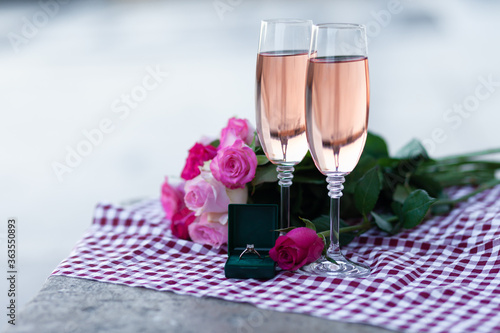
251, 224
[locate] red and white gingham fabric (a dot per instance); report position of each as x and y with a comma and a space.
440, 277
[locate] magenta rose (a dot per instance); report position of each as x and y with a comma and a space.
234, 165
180, 223
241, 128
198, 155
299, 247
208, 230
204, 194
172, 198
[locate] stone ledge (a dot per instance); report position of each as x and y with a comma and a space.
77, 305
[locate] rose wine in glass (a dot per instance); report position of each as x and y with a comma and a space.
337, 103
280, 100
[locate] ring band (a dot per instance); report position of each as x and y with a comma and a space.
250, 249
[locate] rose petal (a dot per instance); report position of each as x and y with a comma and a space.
172, 198
315, 250
180, 223
210, 233
303, 237
198, 154
234, 165
298, 247
204, 194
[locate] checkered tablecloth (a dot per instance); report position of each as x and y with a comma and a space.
440, 277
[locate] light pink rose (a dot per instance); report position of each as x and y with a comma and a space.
172, 198
198, 154
208, 230
299, 247
234, 165
237, 195
204, 194
241, 128
228, 139
220, 218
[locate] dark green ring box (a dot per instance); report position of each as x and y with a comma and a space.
251, 224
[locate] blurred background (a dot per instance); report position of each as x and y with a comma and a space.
129, 86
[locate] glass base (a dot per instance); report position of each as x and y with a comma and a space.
336, 266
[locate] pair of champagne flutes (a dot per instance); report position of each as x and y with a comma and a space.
313, 93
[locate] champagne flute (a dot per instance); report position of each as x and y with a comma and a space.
280, 100
337, 102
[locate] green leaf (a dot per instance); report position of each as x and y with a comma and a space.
412, 150
440, 209
429, 184
255, 139
308, 223
258, 150
285, 229
365, 163
415, 208
367, 191
306, 163
345, 237
325, 247
397, 208
400, 193
265, 174
388, 162
262, 159
322, 223
391, 180
457, 179
331, 260
375, 146
215, 143
382, 223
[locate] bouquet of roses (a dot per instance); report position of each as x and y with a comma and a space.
215, 175
390, 193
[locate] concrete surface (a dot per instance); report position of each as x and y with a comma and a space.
76, 305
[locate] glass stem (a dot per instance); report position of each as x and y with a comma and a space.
335, 188
285, 207
285, 175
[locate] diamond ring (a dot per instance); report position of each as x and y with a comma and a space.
250, 249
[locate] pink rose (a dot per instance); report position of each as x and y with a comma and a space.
205, 194
198, 154
172, 198
180, 223
234, 165
209, 231
299, 247
241, 128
